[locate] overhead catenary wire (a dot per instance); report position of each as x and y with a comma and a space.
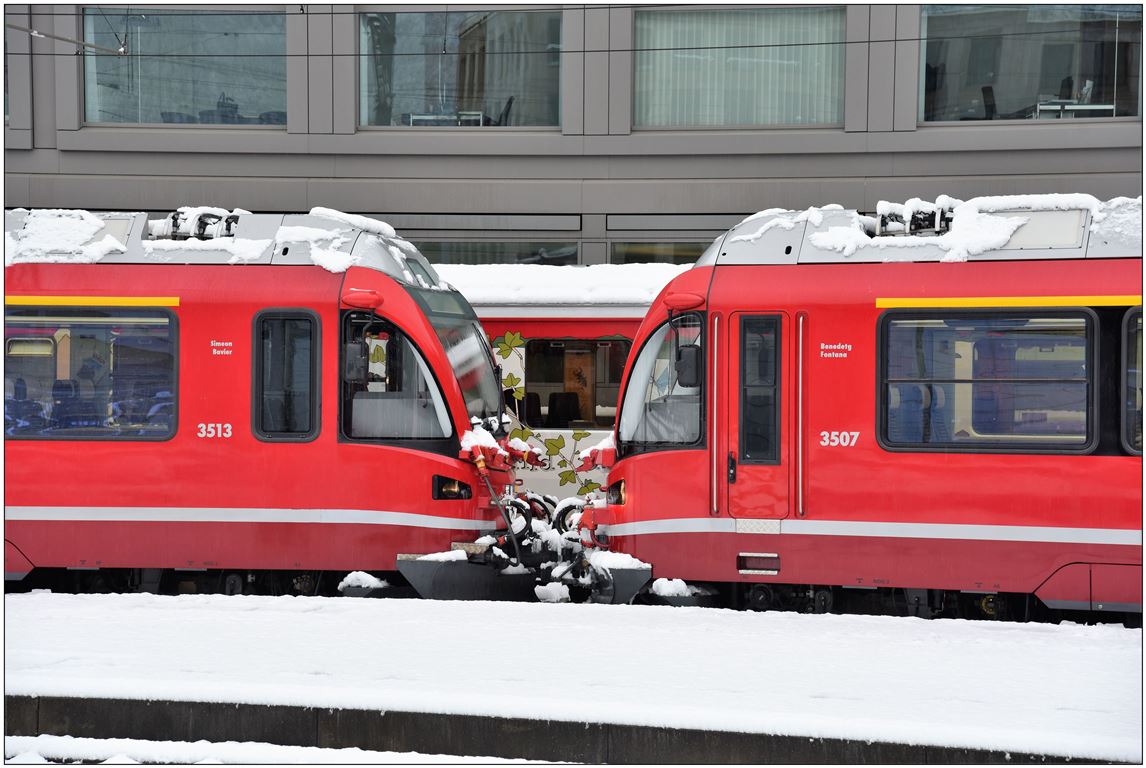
539, 51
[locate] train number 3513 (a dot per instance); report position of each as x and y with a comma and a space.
846, 439
213, 430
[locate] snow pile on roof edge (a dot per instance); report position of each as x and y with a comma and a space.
59, 235
374, 226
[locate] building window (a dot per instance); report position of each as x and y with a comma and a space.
460, 68
571, 383
1001, 381
208, 67
664, 253
1045, 62
741, 67
1132, 366
286, 375
458, 252
81, 374
388, 390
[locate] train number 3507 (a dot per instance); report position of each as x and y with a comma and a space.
845, 439
213, 430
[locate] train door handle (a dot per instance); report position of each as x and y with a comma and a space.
731, 467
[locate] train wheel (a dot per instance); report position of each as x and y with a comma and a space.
233, 584
761, 598
567, 515
822, 601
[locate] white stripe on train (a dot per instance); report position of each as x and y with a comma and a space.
243, 515
1026, 533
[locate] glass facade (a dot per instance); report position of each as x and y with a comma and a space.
665, 253
1040, 62
738, 67
460, 69
185, 67
460, 252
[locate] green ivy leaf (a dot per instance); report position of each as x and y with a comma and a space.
514, 340
519, 393
553, 446
568, 477
510, 381
580, 436
563, 463
588, 487
503, 349
522, 433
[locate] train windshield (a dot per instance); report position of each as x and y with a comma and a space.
659, 409
466, 347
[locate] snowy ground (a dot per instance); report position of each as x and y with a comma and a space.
1067, 690
31, 750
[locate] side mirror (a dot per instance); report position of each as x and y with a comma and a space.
362, 299
688, 361
354, 362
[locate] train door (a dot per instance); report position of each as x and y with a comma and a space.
756, 448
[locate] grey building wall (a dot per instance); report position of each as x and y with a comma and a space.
592, 180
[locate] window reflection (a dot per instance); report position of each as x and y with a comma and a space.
459, 252
460, 69
665, 253
185, 67
1046, 62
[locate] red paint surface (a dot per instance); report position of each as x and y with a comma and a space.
240, 472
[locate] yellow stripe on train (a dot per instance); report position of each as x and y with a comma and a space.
93, 301
1009, 301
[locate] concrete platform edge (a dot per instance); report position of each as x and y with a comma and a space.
434, 733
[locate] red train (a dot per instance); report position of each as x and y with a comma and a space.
822, 413
253, 425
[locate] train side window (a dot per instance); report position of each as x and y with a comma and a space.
1132, 381
90, 373
388, 390
659, 411
286, 361
759, 404
1001, 381
572, 383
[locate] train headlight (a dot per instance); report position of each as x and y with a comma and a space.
615, 493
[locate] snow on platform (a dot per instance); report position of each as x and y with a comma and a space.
36, 750
1066, 690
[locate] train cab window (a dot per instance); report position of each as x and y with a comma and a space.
759, 405
89, 374
1013, 381
286, 399
572, 383
663, 402
388, 390
1132, 378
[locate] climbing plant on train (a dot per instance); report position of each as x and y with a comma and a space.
556, 451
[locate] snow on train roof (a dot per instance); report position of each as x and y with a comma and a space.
1000, 227
545, 284
328, 238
